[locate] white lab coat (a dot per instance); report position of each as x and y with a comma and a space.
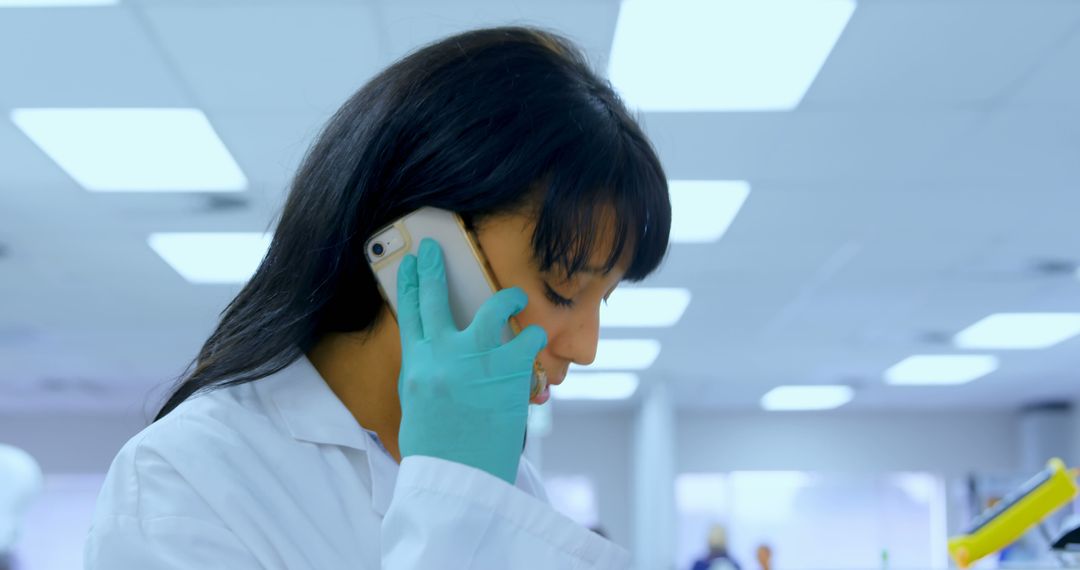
277, 474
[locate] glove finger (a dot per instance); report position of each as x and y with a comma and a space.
434, 295
408, 301
528, 343
490, 321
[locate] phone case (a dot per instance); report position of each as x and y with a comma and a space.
468, 277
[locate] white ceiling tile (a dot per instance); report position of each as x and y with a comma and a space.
938, 54
1053, 79
725, 146
837, 145
282, 57
1034, 149
414, 23
269, 146
865, 145
82, 57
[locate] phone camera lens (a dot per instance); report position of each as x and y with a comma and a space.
378, 249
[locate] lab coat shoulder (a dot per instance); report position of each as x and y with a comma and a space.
151, 510
150, 465
276, 474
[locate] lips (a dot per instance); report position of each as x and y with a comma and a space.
542, 397
545, 394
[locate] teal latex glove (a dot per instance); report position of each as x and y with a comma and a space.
464, 394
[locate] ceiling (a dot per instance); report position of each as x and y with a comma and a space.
929, 178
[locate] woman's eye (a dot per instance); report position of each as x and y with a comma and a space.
557, 298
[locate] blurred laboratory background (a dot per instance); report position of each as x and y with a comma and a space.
867, 329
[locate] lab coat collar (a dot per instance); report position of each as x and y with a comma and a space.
310, 410
384, 472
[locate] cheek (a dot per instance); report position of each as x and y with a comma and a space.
540, 312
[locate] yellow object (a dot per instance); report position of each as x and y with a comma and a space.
1005, 522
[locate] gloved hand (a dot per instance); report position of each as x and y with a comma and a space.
464, 394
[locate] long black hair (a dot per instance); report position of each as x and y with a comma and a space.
488, 121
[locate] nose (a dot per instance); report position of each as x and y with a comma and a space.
577, 343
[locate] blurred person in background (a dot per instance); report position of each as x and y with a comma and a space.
718, 557
319, 430
21, 481
764, 555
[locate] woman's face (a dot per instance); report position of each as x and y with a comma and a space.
567, 309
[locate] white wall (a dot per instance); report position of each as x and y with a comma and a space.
55, 528
599, 447
1045, 431
70, 443
954, 444
944, 443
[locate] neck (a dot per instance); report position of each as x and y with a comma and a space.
362, 370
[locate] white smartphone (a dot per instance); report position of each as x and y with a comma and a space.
469, 278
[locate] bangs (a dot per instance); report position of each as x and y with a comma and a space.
610, 190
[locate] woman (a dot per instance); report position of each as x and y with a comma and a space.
315, 432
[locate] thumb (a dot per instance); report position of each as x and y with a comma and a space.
529, 342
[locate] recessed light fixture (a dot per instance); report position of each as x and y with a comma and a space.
702, 210
212, 258
596, 386
791, 398
644, 307
134, 150
1019, 331
722, 55
940, 369
623, 354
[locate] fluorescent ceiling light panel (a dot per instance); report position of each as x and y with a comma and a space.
134, 150
940, 369
826, 397
722, 55
623, 354
216, 258
55, 3
1019, 331
702, 210
596, 386
644, 307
